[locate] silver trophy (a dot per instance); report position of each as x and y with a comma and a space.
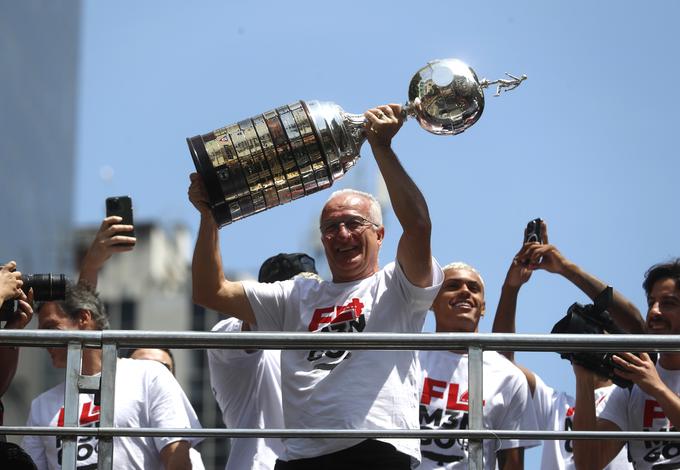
304, 147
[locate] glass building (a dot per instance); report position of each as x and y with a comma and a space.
39, 62
39, 42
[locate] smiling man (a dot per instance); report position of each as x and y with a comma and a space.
653, 403
341, 389
458, 308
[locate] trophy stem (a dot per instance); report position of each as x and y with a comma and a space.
409, 109
356, 125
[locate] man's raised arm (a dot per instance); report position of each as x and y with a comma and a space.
414, 253
504, 320
209, 286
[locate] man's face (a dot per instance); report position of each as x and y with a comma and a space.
52, 317
350, 240
460, 302
153, 354
663, 315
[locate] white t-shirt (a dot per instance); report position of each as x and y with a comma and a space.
347, 389
444, 405
634, 410
555, 412
247, 387
147, 396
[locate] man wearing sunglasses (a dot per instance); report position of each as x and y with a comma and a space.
342, 389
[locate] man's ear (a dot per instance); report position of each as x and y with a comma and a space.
483, 308
380, 232
85, 321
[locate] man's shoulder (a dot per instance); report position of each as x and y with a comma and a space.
546, 392
52, 398
440, 358
228, 325
504, 372
494, 361
145, 369
54, 391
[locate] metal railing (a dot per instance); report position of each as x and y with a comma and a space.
110, 341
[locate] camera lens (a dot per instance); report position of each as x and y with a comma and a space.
46, 286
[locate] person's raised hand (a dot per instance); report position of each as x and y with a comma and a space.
382, 124
109, 240
198, 195
24, 312
10, 282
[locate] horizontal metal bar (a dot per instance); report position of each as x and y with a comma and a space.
341, 433
49, 338
387, 341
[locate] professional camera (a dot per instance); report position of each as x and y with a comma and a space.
593, 319
46, 287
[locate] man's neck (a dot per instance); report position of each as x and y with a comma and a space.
92, 361
670, 360
601, 382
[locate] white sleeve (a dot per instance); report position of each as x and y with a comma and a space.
168, 406
268, 301
420, 298
616, 408
543, 403
224, 356
33, 445
196, 460
520, 414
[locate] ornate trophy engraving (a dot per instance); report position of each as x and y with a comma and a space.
304, 147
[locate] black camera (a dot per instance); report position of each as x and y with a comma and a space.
46, 287
593, 319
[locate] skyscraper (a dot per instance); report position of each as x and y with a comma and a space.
39, 41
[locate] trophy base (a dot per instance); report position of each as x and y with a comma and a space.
218, 206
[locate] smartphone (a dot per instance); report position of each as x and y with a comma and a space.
533, 231
122, 207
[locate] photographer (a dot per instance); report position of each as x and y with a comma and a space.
555, 409
10, 290
146, 395
653, 403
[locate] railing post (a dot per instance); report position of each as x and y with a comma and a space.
107, 400
475, 401
69, 449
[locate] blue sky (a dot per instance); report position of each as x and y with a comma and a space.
588, 142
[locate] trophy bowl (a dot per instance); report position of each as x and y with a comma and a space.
445, 97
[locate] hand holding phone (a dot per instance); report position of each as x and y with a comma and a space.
121, 206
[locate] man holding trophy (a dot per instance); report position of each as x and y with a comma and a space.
342, 389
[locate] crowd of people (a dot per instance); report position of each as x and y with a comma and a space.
358, 389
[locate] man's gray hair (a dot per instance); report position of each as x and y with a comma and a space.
461, 265
82, 297
374, 210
